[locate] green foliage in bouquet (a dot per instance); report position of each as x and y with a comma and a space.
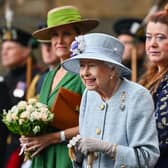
28, 118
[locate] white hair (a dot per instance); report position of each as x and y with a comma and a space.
111, 65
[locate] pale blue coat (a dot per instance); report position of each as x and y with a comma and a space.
127, 120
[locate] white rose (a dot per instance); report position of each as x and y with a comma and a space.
44, 117
32, 101
44, 110
25, 115
14, 115
21, 121
22, 105
40, 105
34, 116
30, 108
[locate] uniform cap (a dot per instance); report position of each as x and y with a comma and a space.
18, 35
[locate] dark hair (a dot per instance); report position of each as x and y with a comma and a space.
77, 30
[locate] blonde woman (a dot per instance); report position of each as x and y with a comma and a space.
64, 23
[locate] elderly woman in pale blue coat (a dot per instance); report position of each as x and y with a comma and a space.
116, 115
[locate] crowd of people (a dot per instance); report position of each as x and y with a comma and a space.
120, 122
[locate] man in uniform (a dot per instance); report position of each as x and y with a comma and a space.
16, 49
131, 32
4, 104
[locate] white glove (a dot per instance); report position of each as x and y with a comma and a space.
86, 145
76, 156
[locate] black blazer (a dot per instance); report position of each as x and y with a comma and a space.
4, 104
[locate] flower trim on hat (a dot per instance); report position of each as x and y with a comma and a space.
77, 46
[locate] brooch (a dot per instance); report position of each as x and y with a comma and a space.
122, 99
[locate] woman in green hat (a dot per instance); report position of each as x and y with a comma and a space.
64, 24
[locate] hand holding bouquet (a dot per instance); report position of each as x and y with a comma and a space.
28, 118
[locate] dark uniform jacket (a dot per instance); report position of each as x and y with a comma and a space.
4, 104
16, 83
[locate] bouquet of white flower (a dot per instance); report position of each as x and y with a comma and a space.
27, 118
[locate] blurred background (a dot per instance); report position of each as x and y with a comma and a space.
28, 13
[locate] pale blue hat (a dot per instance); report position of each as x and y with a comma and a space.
96, 46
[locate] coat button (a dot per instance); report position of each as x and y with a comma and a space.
102, 106
122, 166
98, 131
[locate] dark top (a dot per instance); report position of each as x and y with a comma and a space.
161, 112
16, 82
4, 104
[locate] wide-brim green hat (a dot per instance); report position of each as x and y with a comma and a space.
61, 16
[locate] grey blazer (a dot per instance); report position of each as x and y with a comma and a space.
126, 119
